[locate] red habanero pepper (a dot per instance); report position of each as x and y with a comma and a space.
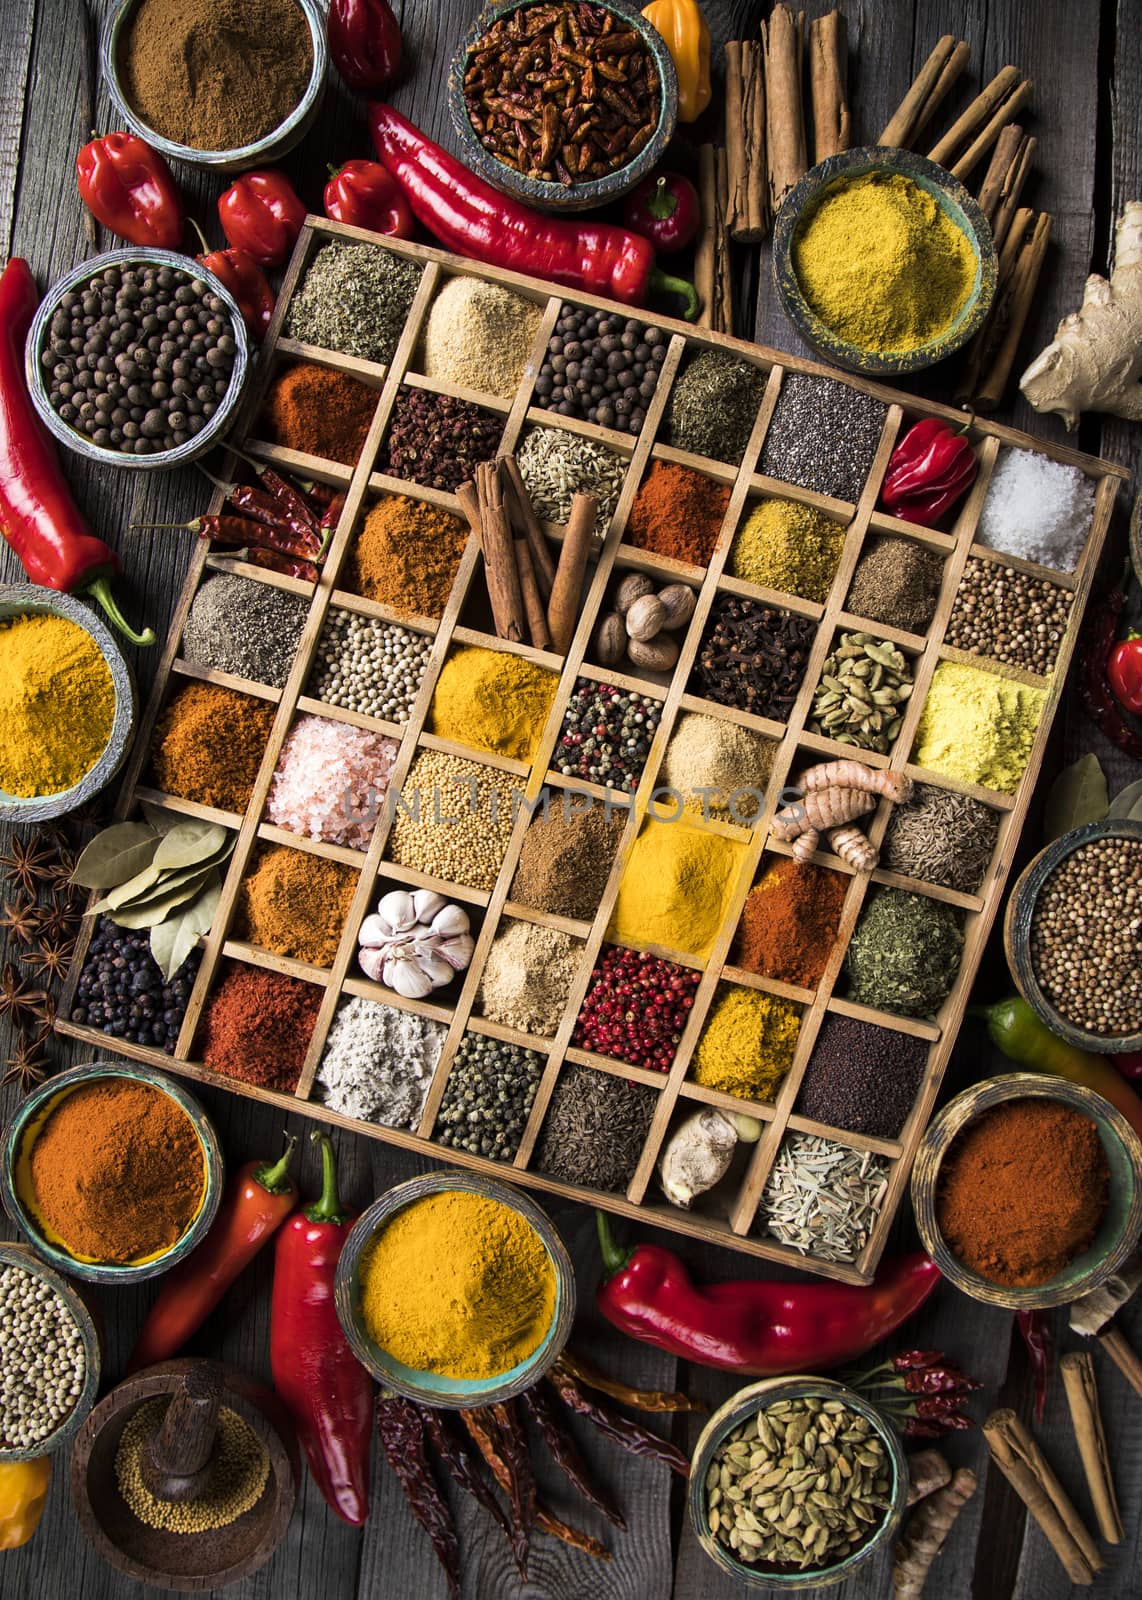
364, 195
364, 41
246, 281
262, 215
258, 1199
930, 469
1124, 672
666, 208
39, 518
327, 1390
471, 218
1096, 646
128, 187
761, 1327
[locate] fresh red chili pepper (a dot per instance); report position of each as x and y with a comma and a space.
1129, 1063
246, 281
258, 1199
262, 215
1124, 672
40, 520
470, 217
128, 187
1096, 646
365, 195
1036, 1331
327, 1390
760, 1327
666, 208
930, 469
365, 43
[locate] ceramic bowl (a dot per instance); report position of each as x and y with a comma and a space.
68, 436
15, 1188
263, 152
592, 191
955, 202
430, 1387
1121, 1224
747, 1403
22, 599
1020, 917
18, 1255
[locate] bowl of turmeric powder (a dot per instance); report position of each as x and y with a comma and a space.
455, 1291
67, 704
883, 261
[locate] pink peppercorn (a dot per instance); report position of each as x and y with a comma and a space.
635, 1008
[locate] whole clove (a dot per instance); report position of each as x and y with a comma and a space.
753, 657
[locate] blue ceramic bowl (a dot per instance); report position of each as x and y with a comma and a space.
431, 1388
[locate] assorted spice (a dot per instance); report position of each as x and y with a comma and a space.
862, 693
823, 436
36, 1396
595, 1128
635, 1008
406, 555
437, 440
606, 735
718, 767
453, 820
556, 466
1009, 616
788, 546
677, 512
676, 888
747, 1044
368, 666
603, 369
977, 727
896, 582
248, 629
941, 837
790, 921
527, 977
823, 1198
57, 704
1086, 947
330, 781
714, 404
479, 336
567, 855
1037, 509
753, 657
904, 953
295, 904
491, 701
354, 298
488, 1098
378, 1063
256, 1026
861, 1077
319, 412
209, 743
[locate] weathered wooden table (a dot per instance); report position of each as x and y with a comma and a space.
1086, 62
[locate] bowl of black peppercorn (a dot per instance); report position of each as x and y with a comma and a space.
137, 359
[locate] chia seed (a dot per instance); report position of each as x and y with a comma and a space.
823, 436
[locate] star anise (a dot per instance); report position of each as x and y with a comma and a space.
58, 874
45, 1019
27, 862
22, 918
50, 958
17, 1000
58, 920
27, 1065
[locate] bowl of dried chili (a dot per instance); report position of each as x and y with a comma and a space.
566, 106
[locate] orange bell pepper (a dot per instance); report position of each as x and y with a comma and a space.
687, 36
23, 1492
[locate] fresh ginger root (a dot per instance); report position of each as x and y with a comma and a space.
1094, 362
852, 846
824, 808
927, 1472
925, 1532
851, 774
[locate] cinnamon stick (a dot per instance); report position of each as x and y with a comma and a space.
783, 40
1005, 113
1024, 281
1114, 1342
722, 317
499, 556
1082, 1398
981, 352
747, 201
705, 247
929, 87
470, 505
975, 116
567, 590
533, 606
1029, 1474
521, 514
997, 179
1009, 201
828, 70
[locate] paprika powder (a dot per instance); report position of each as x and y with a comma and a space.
789, 922
257, 1026
677, 513
320, 412
209, 744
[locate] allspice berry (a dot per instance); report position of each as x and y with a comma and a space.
646, 617
632, 588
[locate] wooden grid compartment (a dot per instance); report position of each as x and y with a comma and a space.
728, 1214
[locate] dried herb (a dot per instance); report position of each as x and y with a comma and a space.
904, 953
401, 1430
1127, 802
624, 1431
566, 1453
1077, 795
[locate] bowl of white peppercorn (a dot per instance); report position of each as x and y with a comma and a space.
1071, 935
52, 1357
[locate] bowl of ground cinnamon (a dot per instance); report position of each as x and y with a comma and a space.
1028, 1191
222, 84
112, 1171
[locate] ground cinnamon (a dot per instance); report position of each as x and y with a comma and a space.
117, 1171
1022, 1191
320, 412
406, 555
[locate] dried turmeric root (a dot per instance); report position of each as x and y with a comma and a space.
805, 844
925, 1532
826, 808
850, 774
852, 846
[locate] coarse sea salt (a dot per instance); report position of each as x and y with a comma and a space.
1037, 509
330, 781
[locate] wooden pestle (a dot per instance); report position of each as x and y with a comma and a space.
175, 1462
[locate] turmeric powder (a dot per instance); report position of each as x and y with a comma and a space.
57, 704
676, 889
491, 701
748, 1043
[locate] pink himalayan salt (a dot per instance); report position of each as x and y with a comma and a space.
331, 781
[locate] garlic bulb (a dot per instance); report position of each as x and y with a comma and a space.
398, 909
450, 920
415, 943
407, 978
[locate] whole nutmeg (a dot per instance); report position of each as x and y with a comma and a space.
656, 655
678, 602
632, 588
610, 645
646, 617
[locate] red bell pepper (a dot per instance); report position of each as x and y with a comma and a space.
246, 281
364, 41
930, 469
327, 1390
760, 1327
364, 195
262, 215
471, 218
128, 187
41, 521
258, 1199
666, 208
1124, 672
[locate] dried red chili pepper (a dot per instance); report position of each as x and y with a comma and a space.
262, 215
129, 188
641, 1399
458, 1459
221, 529
364, 42
400, 1427
364, 195
287, 566
565, 1453
624, 1431
1096, 645
1036, 1331
485, 1432
931, 468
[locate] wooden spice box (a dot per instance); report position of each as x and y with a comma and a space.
725, 1216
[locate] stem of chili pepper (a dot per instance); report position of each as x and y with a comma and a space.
624, 1431
566, 1455
458, 1459
486, 1434
641, 1399
401, 1431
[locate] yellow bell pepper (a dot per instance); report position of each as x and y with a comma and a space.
23, 1491
687, 36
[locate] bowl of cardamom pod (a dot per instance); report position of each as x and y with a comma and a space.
755, 1496
883, 261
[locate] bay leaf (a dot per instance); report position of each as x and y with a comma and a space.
161, 820
1077, 795
173, 939
1127, 803
147, 916
115, 855
190, 842
166, 886
131, 890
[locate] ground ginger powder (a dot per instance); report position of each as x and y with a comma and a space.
977, 726
459, 1285
676, 889
882, 265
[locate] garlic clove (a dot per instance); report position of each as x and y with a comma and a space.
451, 920
457, 951
375, 931
437, 972
372, 962
408, 979
427, 903
398, 910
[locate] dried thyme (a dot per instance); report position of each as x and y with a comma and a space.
823, 1198
714, 405
904, 953
354, 298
